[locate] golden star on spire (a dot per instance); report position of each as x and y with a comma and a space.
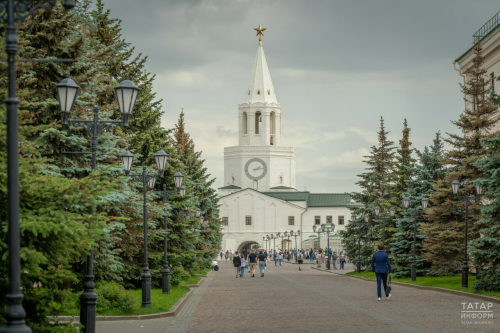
260, 32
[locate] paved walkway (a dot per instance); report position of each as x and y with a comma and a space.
288, 300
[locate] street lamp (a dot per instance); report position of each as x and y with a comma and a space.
288, 244
282, 236
328, 228
318, 232
67, 92
150, 180
359, 225
455, 185
126, 95
264, 241
274, 242
414, 212
14, 12
392, 211
297, 233
165, 272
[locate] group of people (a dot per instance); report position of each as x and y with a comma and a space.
380, 262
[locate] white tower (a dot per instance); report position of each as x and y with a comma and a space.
259, 161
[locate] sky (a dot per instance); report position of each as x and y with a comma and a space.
337, 67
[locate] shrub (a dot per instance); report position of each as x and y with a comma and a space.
114, 296
177, 275
486, 285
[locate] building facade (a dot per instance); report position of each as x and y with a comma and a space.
259, 198
489, 37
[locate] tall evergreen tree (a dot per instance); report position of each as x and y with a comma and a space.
446, 227
376, 186
426, 174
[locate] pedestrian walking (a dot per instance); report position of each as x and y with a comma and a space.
280, 258
252, 262
275, 258
221, 254
334, 259
227, 255
342, 260
381, 266
237, 263
300, 259
261, 261
242, 266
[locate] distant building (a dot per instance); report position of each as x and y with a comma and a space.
489, 36
260, 197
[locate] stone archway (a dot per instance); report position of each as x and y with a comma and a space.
245, 247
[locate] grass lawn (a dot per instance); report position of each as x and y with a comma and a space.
160, 303
447, 282
191, 280
204, 272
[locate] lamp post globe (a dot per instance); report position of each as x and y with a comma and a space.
152, 180
377, 211
353, 218
314, 228
126, 95
425, 202
161, 161
406, 202
367, 218
323, 227
454, 186
67, 92
178, 177
198, 212
478, 190
182, 191
392, 211
127, 158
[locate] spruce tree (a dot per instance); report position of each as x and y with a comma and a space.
376, 186
426, 173
446, 218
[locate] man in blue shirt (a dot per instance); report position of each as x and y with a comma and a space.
380, 263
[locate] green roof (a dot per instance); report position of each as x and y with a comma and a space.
282, 188
230, 187
289, 196
329, 200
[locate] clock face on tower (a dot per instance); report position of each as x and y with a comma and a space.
255, 169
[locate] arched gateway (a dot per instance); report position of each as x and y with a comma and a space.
245, 247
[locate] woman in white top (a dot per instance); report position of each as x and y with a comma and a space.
242, 267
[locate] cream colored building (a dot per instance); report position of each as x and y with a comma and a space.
489, 35
259, 197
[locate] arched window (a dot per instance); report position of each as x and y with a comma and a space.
268, 91
258, 92
232, 180
258, 122
244, 123
281, 179
249, 92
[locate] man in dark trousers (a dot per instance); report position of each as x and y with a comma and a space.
380, 264
237, 263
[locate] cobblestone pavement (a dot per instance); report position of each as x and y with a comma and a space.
286, 300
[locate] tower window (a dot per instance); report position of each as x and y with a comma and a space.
225, 221
268, 92
248, 220
281, 179
258, 92
249, 92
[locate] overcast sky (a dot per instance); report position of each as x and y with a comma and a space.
336, 66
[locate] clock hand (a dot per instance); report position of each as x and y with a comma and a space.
259, 168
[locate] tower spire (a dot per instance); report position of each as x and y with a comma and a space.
260, 32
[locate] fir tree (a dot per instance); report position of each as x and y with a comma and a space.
426, 174
446, 227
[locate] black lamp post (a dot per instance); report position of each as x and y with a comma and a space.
149, 179
264, 242
359, 225
319, 239
67, 92
282, 236
269, 242
392, 211
455, 185
287, 245
414, 212
274, 242
328, 228
297, 233
165, 272
15, 12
